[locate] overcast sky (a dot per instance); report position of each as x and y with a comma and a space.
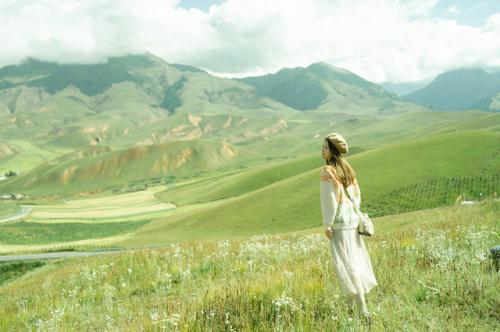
380, 40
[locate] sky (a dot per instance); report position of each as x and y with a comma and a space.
379, 40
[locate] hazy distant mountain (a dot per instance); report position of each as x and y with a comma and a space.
311, 87
404, 88
40, 99
459, 90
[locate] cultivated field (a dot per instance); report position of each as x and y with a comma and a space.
85, 222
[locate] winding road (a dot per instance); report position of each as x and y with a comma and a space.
25, 211
58, 254
68, 254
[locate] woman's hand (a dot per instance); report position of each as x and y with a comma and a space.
329, 233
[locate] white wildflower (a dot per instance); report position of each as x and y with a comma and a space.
186, 275
286, 274
173, 320
223, 248
285, 302
154, 316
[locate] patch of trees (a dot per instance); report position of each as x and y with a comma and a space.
11, 173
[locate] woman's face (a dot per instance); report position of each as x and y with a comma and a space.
327, 155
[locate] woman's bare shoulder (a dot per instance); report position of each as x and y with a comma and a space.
325, 168
328, 170
328, 173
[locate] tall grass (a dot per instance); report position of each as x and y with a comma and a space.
433, 274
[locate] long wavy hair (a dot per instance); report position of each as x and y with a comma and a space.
342, 169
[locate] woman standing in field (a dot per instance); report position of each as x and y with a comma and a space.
339, 193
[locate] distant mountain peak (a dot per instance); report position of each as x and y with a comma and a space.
458, 90
310, 87
326, 66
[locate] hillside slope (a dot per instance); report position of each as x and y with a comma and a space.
108, 169
293, 203
458, 90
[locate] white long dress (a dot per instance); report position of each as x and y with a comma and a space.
350, 257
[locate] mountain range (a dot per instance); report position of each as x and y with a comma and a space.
77, 126
460, 90
49, 110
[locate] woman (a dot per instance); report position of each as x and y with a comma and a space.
339, 193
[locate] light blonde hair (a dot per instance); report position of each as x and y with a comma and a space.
342, 169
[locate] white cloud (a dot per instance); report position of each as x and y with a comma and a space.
453, 10
379, 40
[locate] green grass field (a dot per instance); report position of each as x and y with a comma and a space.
432, 269
232, 185
36, 233
293, 203
8, 208
226, 182
13, 270
434, 193
82, 222
278, 197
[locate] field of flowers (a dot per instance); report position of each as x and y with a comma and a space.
433, 275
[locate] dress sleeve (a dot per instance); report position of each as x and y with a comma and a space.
329, 197
357, 194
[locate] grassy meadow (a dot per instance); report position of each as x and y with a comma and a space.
432, 267
220, 201
8, 208
277, 197
291, 203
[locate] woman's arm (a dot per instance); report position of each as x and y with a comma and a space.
329, 198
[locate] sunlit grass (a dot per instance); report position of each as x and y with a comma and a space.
8, 208
432, 267
40, 233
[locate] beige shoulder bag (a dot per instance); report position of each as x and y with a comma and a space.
365, 226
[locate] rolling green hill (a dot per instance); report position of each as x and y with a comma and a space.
231, 185
217, 201
435, 193
293, 203
120, 167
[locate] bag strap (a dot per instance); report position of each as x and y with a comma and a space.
348, 195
